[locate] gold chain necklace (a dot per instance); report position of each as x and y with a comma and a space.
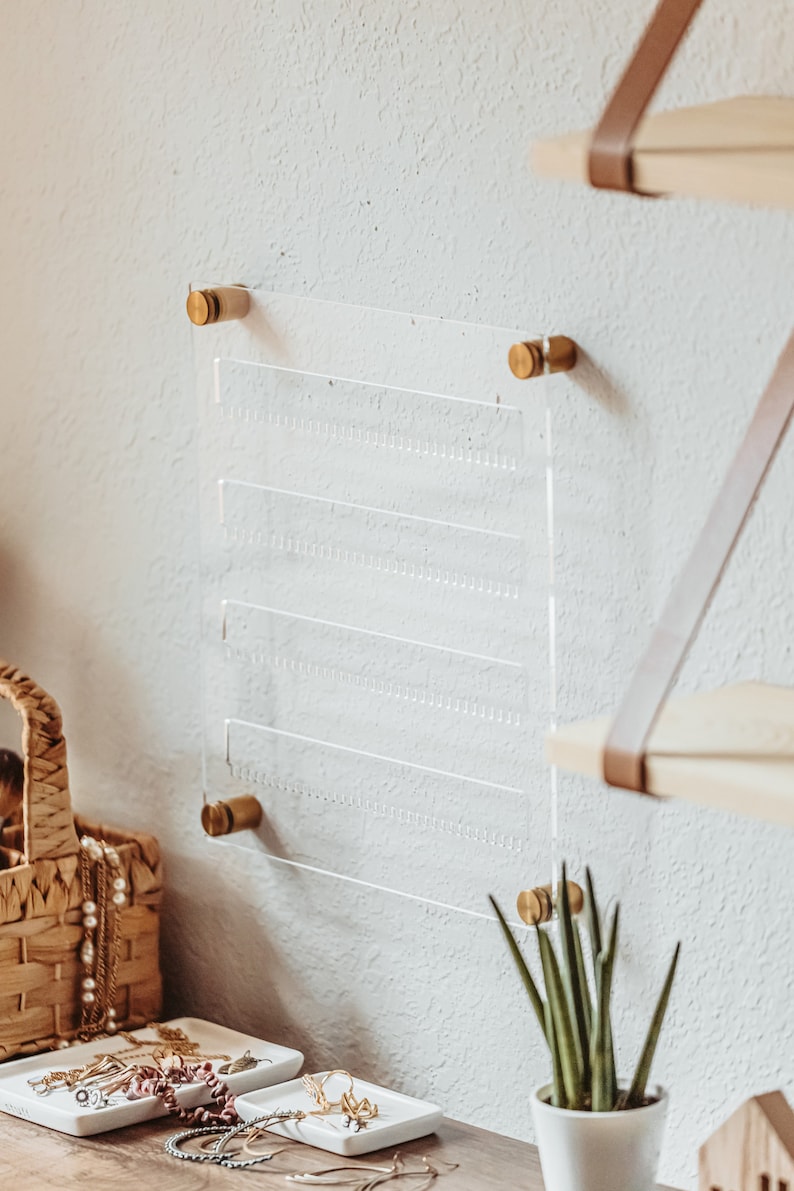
104, 897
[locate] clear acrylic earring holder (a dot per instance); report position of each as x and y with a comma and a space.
375, 596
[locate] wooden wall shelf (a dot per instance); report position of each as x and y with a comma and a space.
731, 749
739, 150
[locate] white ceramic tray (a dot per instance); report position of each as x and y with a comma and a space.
400, 1118
59, 1110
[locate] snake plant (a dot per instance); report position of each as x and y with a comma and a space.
575, 1013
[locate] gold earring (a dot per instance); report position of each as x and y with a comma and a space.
329, 1075
314, 1091
356, 1113
330, 1177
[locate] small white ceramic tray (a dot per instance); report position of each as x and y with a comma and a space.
400, 1118
59, 1110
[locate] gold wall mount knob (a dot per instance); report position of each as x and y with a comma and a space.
219, 305
537, 905
539, 357
236, 814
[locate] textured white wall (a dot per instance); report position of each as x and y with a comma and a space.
376, 153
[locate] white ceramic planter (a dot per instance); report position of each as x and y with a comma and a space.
599, 1151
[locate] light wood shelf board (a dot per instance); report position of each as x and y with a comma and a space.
731, 749
739, 150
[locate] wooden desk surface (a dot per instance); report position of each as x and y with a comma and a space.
131, 1159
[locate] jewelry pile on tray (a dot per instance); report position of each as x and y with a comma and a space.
355, 1113
175, 1060
239, 1146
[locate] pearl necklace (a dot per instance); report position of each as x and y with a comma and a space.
104, 897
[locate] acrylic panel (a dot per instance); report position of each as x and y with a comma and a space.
375, 596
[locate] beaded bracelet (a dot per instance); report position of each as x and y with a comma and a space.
151, 1082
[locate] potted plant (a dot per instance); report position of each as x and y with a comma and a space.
594, 1132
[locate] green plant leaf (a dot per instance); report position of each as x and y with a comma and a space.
573, 986
593, 918
598, 1089
612, 949
580, 966
602, 1059
636, 1093
611, 1072
563, 1029
558, 1091
529, 984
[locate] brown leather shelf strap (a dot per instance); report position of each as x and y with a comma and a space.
624, 753
610, 164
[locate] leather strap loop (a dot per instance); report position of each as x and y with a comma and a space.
610, 164
624, 753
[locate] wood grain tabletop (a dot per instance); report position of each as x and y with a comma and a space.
41, 1159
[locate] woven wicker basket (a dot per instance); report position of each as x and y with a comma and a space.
41, 896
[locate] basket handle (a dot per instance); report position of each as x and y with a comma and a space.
48, 826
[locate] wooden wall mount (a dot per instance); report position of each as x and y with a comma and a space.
537, 905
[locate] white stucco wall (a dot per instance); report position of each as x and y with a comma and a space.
376, 154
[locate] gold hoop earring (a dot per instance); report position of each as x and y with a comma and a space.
329, 1075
